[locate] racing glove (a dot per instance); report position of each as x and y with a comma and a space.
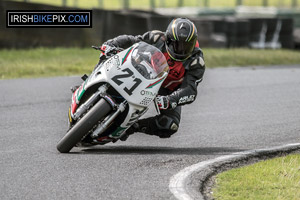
108, 50
163, 102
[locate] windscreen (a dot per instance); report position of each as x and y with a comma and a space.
149, 61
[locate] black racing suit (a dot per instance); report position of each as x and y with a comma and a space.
180, 85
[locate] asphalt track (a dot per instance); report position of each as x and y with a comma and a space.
237, 109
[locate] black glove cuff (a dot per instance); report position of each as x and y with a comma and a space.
172, 102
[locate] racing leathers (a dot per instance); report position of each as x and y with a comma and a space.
180, 86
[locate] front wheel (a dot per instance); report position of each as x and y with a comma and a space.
83, 126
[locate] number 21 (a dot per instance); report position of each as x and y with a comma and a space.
128, 74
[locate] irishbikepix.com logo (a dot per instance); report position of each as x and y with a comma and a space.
49, 18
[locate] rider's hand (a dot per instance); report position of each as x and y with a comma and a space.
163, 102
108, 50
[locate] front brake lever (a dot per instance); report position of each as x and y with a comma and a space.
96, 48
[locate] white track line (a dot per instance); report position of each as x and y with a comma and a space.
179, 183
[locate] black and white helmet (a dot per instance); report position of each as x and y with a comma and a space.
181, 37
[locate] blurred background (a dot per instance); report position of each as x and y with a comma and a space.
259, 24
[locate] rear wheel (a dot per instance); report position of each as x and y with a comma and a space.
83, 126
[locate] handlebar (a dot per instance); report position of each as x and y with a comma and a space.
119, 49
97, 48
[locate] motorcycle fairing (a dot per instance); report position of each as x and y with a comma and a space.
125, 79
76, 97
120, 73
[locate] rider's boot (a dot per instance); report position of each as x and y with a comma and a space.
162, 126
143, 125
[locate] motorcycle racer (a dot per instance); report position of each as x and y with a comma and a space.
185, 59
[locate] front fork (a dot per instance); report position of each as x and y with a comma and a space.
101, 93
91, 101
108, 120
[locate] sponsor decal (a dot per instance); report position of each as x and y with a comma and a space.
186, 99
112, 63
148, 93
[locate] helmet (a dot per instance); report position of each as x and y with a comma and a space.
181, 37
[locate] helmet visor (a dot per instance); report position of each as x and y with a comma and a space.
180, 49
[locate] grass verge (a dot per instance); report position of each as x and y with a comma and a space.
275, 179
47, 62
41, 62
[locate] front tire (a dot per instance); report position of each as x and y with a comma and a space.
83, 126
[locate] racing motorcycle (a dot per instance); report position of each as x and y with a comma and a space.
115, 95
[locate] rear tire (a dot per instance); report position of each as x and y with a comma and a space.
83, 126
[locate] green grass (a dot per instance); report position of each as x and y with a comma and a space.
275, 179
145, 4
249, 57
41, 62
46, 62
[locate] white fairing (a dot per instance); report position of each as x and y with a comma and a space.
137, 86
